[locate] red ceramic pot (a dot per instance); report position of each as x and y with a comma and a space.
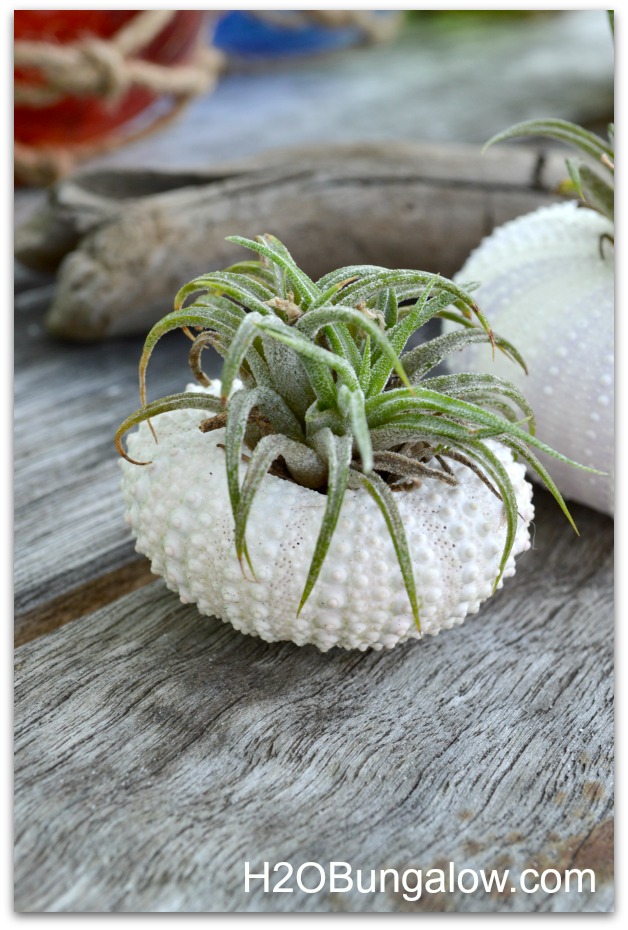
75, 121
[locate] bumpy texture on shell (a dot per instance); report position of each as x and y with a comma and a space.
546, 288
178, 508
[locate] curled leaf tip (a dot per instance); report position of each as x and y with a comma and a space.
124, 454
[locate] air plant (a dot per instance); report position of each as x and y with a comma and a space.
317, 390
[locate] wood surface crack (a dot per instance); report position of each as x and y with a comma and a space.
82, 600
474, 184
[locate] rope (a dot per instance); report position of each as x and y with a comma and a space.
105, 69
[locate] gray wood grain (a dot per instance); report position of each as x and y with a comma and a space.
69, 526
157, 750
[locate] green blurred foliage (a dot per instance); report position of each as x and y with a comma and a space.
451, 20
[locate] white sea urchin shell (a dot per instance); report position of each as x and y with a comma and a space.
546, 288
178, 508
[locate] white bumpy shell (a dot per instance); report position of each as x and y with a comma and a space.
178, 508
546, 288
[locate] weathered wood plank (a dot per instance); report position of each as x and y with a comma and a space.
85, 599
69, 526
158, 750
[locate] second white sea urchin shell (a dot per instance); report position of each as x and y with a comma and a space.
178, 508
548, 288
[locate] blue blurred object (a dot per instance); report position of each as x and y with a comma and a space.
242, 32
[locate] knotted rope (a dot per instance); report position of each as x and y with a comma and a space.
105, 69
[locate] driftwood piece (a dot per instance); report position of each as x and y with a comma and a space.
158, 750
126, 241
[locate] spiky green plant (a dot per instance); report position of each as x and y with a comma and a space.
595, 188
329, 400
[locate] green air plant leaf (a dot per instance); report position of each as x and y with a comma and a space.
337, 452
595, 189
482, 387
186, 401
302, 459
383, 497
275, 252
351, 405
330, 397
559, 129
418, 362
